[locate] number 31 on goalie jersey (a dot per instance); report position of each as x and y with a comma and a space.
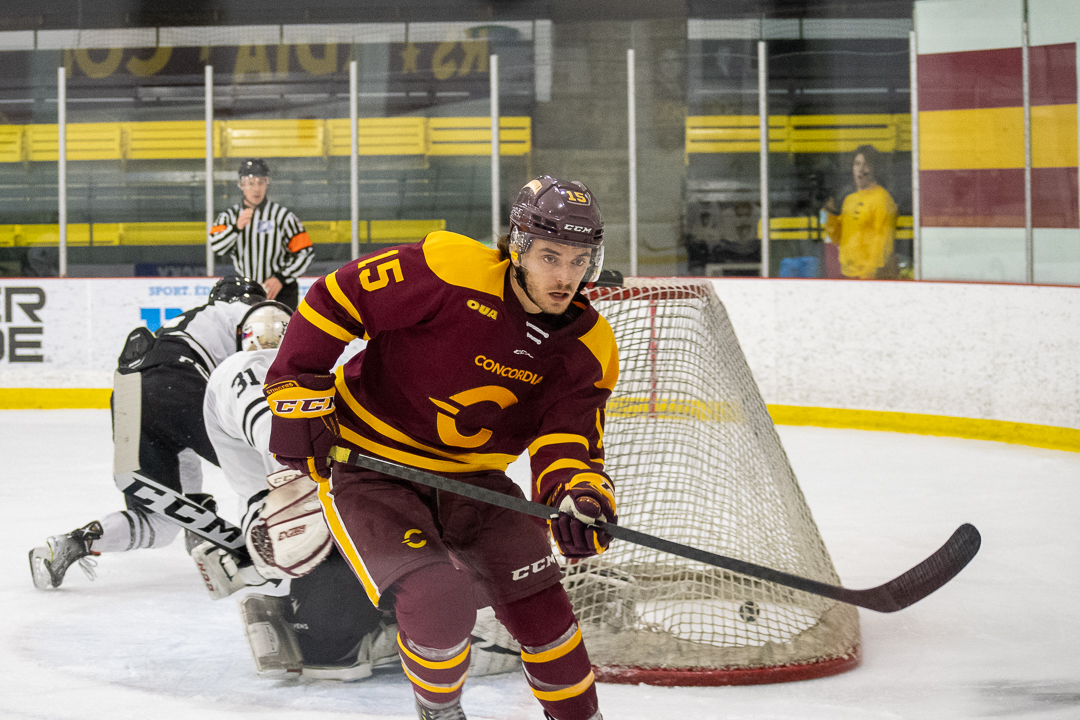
384, 271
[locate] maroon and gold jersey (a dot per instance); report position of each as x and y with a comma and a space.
456, 376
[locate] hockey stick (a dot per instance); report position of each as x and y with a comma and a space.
155, 497
897, 594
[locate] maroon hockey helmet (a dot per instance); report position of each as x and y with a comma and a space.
560, 211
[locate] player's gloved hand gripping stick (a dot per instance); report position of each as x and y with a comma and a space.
897, 594
588, 497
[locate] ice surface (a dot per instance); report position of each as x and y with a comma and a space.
144, 641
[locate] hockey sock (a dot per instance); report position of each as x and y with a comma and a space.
134, 529
436, 611
555, 661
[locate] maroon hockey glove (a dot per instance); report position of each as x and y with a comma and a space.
305, 423
586, 498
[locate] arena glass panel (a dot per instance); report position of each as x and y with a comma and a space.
833, 86
136, 161
424, 139
28, 91
136, 140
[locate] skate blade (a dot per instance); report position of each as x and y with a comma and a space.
39, 570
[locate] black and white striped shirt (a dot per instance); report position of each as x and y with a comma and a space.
273, 244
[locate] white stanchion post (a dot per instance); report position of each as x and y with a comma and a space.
208, 101
631, 122
916, 223
763, 134
1029, 234
354, 162
61, 166
493, 65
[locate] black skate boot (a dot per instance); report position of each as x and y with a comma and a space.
49, 563
445, 711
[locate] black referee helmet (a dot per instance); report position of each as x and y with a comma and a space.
254, 166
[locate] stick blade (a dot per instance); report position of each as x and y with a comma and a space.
927, 576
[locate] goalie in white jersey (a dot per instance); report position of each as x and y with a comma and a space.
318, 620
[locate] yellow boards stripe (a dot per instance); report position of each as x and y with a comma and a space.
987, 138
993, 138
1053, 136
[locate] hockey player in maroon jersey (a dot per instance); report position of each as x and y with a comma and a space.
474, 355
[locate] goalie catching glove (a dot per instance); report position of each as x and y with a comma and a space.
289, 536
584, 499
305, 424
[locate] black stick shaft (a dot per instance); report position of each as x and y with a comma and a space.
157, 498
894, 595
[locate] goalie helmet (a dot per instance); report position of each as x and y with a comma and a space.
263, 326
233, 287
559, 211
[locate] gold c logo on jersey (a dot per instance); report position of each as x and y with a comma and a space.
447, 427
415, 532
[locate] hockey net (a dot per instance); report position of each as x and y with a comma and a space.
696, 460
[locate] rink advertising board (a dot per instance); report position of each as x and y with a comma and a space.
994, 362
68, 333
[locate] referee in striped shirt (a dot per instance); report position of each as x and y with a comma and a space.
266, 241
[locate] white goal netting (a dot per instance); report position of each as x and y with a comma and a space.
696, 460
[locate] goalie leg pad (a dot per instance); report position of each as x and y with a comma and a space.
378, 650
271, 638
494, 650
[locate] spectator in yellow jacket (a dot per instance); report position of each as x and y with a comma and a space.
865, 228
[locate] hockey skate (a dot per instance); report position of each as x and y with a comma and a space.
445, 711
48, 564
